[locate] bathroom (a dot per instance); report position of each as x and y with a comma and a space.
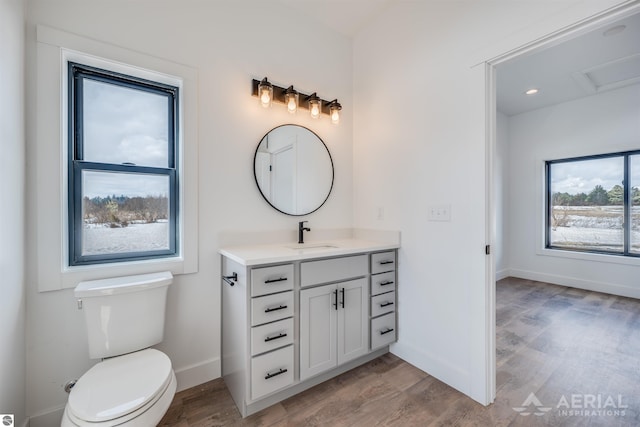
410, 137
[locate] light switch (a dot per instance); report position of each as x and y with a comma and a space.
439, 213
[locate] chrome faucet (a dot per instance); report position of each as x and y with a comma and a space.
301, 230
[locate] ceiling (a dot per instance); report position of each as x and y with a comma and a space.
600, 60
344, 16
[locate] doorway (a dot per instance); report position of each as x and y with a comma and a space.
510, 219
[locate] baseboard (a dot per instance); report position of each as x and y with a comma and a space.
574, 282
48, 419
436, 367
193, 375
502, 274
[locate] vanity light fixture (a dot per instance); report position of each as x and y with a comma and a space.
315, 105
268, 93
334, 111
265, 93
291, 100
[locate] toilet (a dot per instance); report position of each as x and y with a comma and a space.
134, 384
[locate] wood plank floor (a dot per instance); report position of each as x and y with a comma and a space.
551, 341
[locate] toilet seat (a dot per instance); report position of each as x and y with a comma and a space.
136, 387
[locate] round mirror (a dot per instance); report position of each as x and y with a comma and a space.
293, 170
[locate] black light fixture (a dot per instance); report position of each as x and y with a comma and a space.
334, 111
265, 93
268, 93
291, 99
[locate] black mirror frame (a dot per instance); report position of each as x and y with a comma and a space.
333, 171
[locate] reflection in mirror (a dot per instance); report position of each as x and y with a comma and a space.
293, 170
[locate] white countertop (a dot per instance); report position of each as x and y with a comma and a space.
284, 252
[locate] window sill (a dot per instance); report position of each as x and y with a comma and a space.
582, 256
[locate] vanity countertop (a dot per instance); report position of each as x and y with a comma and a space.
284, 252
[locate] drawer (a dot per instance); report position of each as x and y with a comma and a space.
271, 372
383, 330
271, 336
383, 262
269, 280
383, 303
332, 270
271, 308
383, 282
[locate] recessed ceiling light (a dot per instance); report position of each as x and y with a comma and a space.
531, 91
614, 30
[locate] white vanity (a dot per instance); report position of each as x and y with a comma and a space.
294, 316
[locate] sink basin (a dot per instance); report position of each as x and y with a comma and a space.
311, 246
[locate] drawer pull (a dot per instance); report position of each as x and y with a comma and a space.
388, 282
282, 279
386, 331
269, 310
275, 374
385, 262
267, 339
385, 304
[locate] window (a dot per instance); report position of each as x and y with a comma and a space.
122, 167
593, 204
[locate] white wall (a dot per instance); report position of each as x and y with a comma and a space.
502, 184
604, 123
419, 130
12, 197
229, 43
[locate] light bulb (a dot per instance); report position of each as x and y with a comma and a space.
315, 111
292, 106
265, 92
335, 116
334, 111
265, 99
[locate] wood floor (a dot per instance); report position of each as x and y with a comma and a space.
552, 341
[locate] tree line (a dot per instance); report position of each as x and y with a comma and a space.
119, 211
597, 197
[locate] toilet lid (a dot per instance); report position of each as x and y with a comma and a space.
120, 385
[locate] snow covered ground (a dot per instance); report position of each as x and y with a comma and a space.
134, 238
596, 228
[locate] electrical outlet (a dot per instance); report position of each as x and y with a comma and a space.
439, 213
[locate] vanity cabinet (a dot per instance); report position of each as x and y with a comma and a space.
289, 323
333, 325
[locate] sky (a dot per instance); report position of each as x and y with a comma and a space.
124, 125
583, 176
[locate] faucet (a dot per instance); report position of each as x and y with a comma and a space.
301, 230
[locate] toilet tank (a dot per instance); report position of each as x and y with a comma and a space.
124, 314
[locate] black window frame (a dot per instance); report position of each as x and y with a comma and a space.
77, 73
627, 203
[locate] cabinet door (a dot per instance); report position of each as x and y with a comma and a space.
353, 316
318, 316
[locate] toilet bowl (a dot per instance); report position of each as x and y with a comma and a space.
134, 384
134, 390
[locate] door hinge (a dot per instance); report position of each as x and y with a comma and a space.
487, 249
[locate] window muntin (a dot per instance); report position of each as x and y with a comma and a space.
122, 174
588, 204
634, 198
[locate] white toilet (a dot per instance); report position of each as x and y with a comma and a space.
134, 384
